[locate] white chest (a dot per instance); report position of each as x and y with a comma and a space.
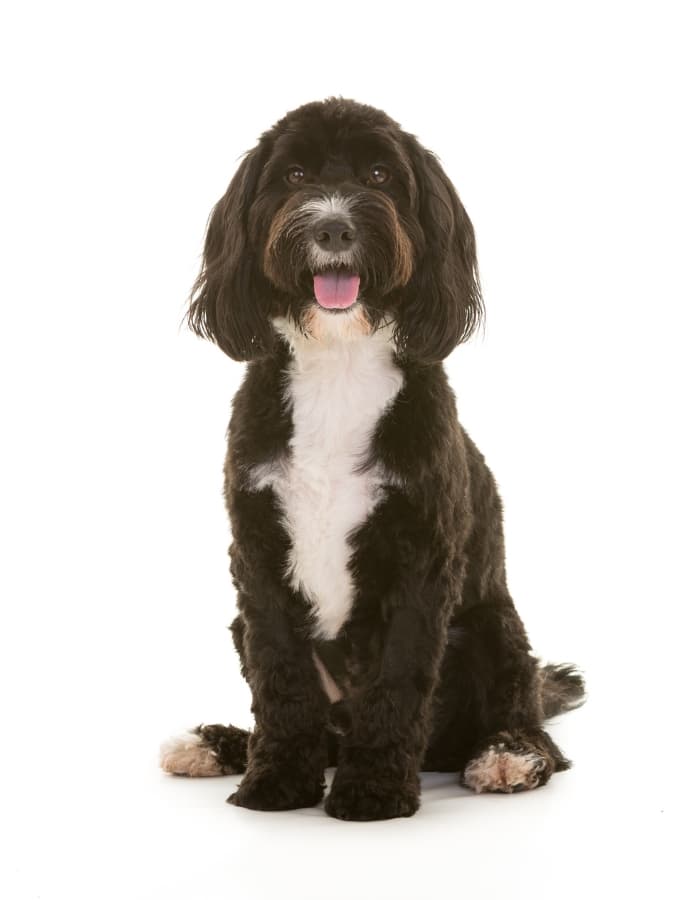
337, 395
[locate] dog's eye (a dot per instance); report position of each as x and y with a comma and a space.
295, 175
379, 174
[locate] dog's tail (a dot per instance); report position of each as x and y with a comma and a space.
206, 750
562, 689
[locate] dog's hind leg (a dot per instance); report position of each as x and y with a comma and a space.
493, 696
512, 761
492, 701
207, 750
524, 756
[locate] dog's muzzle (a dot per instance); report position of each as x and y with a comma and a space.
336, 286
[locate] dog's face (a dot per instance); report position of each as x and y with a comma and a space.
339, 221
334, 212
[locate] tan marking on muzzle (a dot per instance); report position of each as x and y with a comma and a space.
282, 220
403, 248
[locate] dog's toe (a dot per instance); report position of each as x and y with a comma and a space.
187, 754
271, 791
504, 770
359, 802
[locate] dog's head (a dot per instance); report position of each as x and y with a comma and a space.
339, 221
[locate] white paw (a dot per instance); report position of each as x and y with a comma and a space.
504, 771
185, 754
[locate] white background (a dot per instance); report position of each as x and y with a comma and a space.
123, 123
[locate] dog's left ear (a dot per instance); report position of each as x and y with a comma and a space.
442, 304
228, 300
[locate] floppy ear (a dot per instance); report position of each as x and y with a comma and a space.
227, 303
442, 303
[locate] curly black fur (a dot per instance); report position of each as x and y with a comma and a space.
432, 664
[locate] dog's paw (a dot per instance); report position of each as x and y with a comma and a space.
275, 791
506, 770
187, 754
367, 801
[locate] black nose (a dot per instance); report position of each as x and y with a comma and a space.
334, 235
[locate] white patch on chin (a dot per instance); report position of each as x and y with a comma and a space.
344, 325
338, 389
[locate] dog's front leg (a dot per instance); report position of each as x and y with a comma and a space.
286, 752
385, 726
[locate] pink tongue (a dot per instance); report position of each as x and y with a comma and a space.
336, 290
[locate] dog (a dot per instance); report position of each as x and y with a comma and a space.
375, 627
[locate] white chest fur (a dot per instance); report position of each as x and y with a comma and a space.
338, 390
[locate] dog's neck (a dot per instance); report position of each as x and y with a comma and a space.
325, 335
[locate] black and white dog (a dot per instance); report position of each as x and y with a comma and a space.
375, 627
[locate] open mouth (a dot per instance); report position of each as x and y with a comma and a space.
336, 288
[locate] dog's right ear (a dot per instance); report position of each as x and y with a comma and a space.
228, 301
